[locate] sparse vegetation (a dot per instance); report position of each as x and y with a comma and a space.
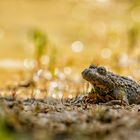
40, 43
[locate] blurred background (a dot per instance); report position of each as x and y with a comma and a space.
76, 33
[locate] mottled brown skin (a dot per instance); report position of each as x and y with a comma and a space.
108, 86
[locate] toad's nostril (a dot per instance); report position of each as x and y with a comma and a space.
85, 72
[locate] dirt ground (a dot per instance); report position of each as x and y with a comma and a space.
41, 119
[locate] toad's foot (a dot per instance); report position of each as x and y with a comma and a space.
117, 102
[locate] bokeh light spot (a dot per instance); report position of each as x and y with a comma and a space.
77, 46
60, 95
29, 64
70, 96
106, 53
48, 75
103, 1
67, 70
54, 95
12, 64
123, 60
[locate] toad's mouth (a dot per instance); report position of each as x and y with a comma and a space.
99, 85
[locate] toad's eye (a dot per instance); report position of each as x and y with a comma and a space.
101, 70
92, 66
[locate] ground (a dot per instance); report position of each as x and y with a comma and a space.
50, 118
